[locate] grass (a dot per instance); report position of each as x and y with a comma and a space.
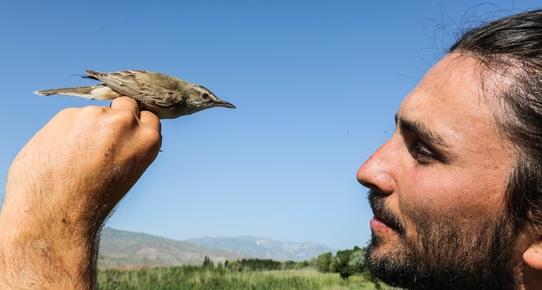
194, 278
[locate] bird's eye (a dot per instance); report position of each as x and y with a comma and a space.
205, 96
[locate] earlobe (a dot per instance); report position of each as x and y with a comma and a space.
533, 255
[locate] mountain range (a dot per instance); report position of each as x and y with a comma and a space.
264, 248
129, 250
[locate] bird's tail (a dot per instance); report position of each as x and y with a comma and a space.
98, 92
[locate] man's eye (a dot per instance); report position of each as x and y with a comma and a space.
422, 153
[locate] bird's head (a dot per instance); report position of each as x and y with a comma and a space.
201, 98
195, 98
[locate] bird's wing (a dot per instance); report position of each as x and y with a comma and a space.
154, 89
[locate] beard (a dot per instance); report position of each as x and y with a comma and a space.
443, 255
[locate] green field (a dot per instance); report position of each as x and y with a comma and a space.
194, 277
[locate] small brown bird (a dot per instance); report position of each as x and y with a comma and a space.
166, 96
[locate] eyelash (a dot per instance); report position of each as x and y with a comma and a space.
422, 154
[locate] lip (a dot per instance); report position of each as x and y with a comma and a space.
384, 219
380, 225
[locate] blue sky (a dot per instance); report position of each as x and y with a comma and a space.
316, 85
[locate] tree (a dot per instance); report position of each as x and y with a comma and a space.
235, 266
219, 265
341, 264
323, 262
357, 259
208, 263
301, 265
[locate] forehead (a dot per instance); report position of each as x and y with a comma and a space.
453, 81
450, 100
449, 95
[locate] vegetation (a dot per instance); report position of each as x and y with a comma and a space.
197, 277
254, 274
347, 263
323, 262
264, 265
208, 263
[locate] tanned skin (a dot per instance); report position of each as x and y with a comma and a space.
63, 185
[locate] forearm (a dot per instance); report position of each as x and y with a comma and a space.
42, 245
41, 260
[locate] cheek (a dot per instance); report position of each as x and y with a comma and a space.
458, 196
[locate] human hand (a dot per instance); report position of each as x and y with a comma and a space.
68, 178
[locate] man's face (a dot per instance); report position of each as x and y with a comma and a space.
437, 187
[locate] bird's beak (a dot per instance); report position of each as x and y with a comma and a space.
225, 104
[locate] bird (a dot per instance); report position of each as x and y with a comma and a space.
166, 96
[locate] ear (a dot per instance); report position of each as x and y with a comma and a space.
533, 255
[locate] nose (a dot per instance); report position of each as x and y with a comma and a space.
378, 172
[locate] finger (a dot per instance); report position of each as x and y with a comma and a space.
125, 103
150, 120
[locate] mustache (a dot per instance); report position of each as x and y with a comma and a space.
377, 201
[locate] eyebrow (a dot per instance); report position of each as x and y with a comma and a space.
421, 130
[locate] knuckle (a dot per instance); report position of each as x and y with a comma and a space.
123, 117
68, 113
91, 111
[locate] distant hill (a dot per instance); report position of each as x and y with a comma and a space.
124, 249
264, 248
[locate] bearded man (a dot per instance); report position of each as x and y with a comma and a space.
457, 190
